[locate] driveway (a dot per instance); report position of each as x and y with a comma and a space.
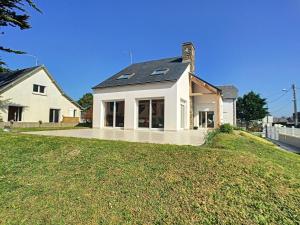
189, 137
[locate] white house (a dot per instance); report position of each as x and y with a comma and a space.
32, 95
162, 94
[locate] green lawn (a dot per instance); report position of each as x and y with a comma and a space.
240, 179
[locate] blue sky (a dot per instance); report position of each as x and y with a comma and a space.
253, 44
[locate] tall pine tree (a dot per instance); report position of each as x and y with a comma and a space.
13, 14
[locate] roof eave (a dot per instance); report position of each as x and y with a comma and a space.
218, 89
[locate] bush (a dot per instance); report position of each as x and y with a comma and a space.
209, 138
226, 128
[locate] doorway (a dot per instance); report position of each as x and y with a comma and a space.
15, 113
54, 116
114, 114
207, 119
151, 113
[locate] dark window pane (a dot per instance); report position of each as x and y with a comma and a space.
35, 88
144, 107
42, 89
158, 113
120, 107
51, 116
109, 114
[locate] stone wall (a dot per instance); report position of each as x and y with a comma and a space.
35, 124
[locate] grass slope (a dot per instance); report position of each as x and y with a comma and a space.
240, 179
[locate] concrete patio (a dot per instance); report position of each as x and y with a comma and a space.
187, 137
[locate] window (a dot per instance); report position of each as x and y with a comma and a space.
39, 88
125, 76
72, 112
160, 71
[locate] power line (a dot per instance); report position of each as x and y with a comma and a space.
274, 100
273, 94
281, 108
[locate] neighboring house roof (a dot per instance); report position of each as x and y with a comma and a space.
141, 73
7, 78
12, 78
229, 91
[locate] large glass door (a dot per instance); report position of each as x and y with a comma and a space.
114, 114
151, 113
15, 113
54, 115
206, 119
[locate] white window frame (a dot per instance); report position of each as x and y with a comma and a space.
114, 113
39, 89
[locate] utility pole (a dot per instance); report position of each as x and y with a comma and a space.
295, 104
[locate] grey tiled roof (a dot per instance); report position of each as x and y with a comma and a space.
142, 73
229, 91
7, 78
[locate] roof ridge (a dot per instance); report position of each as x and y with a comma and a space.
154, 60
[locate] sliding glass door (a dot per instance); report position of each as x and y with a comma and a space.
114, 114
119, 115
144, 113
206, 119
158, 112
109, 114
151, 113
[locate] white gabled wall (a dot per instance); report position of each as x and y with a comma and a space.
37, 106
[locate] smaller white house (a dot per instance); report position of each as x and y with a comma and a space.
32, 95
163, 94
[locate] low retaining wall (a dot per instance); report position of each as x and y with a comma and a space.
291, 140
34, 124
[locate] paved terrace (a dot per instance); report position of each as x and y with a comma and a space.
188, 137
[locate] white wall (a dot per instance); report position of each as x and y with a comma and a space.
206, 102
183, 95
37, 106
229, 111
171, 92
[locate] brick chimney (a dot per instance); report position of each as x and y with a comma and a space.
188, 54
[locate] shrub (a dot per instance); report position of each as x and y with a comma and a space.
209, 138
226, 128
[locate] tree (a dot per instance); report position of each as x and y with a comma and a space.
86, 101
251, 107
13, 14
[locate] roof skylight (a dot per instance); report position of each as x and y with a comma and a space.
160, 71
125, 76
